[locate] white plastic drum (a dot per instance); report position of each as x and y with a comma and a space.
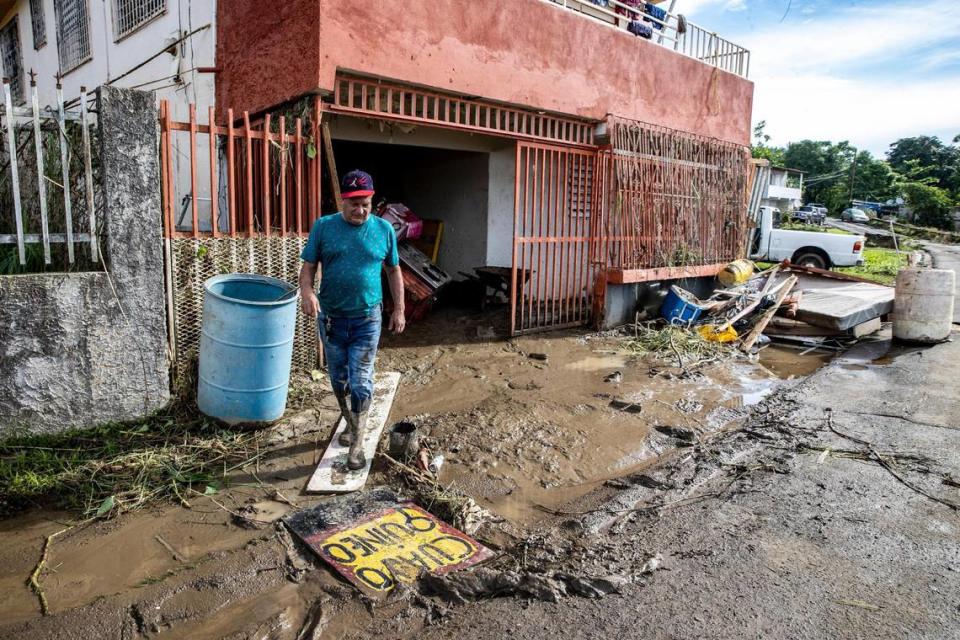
923, 309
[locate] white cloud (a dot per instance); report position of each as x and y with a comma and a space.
870, 115
858, 34
810, 83
735, 5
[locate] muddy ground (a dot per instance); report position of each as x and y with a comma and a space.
762, 535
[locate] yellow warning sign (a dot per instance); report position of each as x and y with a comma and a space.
396, 545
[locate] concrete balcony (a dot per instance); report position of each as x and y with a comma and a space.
536, 54
672, 31
778, 192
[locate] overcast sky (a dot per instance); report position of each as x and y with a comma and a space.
867, 71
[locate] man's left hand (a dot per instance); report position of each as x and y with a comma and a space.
398, 321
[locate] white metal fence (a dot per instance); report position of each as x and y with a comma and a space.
47, 194
671, 30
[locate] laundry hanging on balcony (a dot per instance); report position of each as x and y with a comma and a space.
637, 28
654, 11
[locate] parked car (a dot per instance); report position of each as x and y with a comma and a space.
823, 209
854, 215
807, 248
810, 214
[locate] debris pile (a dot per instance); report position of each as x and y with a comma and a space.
803, 307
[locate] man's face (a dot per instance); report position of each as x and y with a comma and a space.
357, 210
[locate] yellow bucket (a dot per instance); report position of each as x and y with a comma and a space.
735, 273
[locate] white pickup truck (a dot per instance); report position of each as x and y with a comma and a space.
807, 248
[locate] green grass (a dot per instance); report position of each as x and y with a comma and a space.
880, 265
116, 467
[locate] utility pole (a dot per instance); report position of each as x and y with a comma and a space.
853, 174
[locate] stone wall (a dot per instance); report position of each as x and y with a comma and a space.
84, 348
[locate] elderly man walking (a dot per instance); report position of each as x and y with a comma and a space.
350, 248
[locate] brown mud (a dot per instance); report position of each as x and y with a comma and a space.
521, 435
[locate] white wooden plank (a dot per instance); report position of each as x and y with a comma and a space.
332, 475
65, 171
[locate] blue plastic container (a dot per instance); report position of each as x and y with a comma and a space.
680, 307
246, 345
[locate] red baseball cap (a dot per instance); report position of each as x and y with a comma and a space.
356, 184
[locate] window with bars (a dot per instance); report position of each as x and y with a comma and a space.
73, 33
38, 24
130, 15
12, 62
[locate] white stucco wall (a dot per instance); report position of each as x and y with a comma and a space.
110, 59
500, 207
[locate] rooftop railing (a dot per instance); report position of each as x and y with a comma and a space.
667, 29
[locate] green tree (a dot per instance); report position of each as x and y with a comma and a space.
761, 148
931, 205
927, 157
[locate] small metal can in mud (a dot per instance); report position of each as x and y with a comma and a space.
435, 464
404, 441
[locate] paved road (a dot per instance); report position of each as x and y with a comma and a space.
945, 256
819, 541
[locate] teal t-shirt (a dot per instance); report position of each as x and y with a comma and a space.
350, 257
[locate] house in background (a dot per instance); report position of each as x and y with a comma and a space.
785, 191
585, 149
166, 46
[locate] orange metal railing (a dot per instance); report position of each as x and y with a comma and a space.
261, 179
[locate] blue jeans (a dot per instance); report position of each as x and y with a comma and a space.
350, 347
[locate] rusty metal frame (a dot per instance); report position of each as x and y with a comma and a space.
553, 269
379, 99
267, 172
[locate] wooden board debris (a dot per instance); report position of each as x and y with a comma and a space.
842, 305
332, 475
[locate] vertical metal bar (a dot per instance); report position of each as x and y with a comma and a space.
193, 170
318, 111
164, 175
283, 176
41, 176
513, 258
231, 175
167, 159
88, 172
265, 173
65, 172
298, 179
214, 165
540, 213
560, 232
14, 171
249, 140
565, 209
552, 230
525, 274
579, 252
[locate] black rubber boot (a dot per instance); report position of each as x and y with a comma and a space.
346, 437
356, 460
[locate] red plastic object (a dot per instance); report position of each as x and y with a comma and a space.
405, 223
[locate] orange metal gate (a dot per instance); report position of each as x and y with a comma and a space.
553, 271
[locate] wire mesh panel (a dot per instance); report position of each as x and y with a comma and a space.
194, 260
553, 274
673, 199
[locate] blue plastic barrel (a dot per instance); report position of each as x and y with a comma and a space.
680, 307
246, 345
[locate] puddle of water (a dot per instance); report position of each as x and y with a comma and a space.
787, 363
597, 363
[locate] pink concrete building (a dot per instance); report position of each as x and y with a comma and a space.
582, 147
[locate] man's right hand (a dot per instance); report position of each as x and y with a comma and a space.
309, 303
